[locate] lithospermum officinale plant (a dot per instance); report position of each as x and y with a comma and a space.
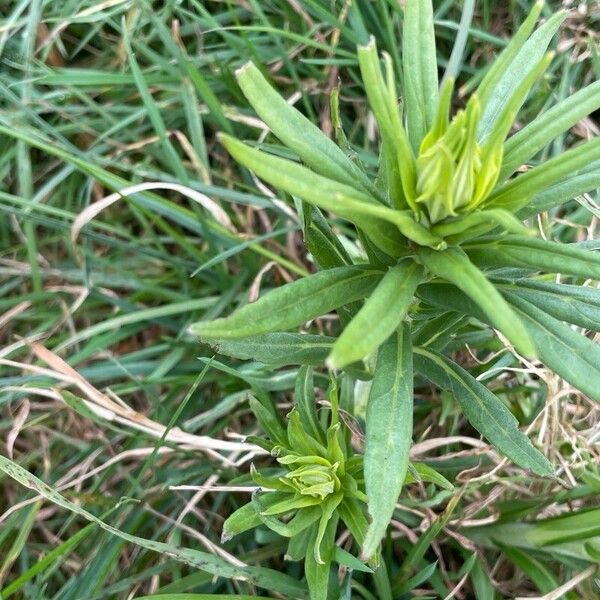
442, 239
319, 483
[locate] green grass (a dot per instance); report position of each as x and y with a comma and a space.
96, 96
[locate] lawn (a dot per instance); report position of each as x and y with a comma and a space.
130, 224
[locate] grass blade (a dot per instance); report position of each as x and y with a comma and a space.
210, 563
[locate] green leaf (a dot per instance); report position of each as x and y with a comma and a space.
486, 413
276, 349
507, 71
499, 66
306, 402
569, 354
259, 576
536, 255
323, 244
460, 41
380, 315
200, 597
510, 109
516, 193
419, 62
565, 190
341, 199
297, 132
268, 419
474, 223
454, 266
317, 573
322, 549
303, 518
343, 557
422, 472
533, 568
58, 553
293, 304
243, 519
576, 304
397, 153
298, 439
542, 130
389, 434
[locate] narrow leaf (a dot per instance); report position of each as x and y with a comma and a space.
541, 131
419, 63
516, 193
568, 353
506, 75
293, 304
379, 317
535, 254
474, 223
317, 573
341, 199
397, 153
585, 181
276, 349
259, 576
389, 434
454, 266
297, 132
579, 305
486, 413
306, 402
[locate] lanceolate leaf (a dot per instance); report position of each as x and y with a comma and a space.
579, 305
306, 403
317, 574
517, 193
484, 411
396, 149
293, 304
498, 68
541, 131
508, 113
276, 349
535, 254
474, 223
379, 317
341, 199
313, 147
419, 63
569, 354
389, 433
509, 73
585, 181
452, 265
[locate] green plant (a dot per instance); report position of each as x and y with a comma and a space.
442, 242
319, 483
